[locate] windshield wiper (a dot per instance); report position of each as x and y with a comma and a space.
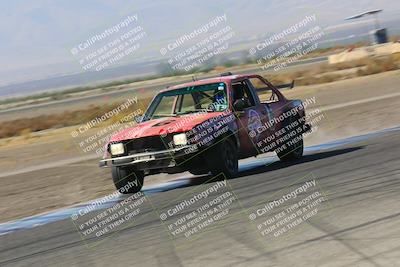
192, 111
165, 115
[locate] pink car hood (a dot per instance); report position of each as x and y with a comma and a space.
163, 126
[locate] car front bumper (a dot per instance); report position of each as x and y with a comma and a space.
151, 160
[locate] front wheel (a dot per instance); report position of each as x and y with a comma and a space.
126, 180
223, 158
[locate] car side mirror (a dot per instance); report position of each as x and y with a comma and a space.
239, 105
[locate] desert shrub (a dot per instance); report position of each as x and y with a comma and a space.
220, 69
68, 118
396, 58
26, 126
379, 65
350, 64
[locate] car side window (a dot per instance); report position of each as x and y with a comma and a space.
242, 91
264, 92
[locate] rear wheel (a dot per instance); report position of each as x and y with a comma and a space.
294, 151
294, 147
126, 180
223, 158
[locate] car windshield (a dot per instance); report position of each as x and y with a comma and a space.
201, 98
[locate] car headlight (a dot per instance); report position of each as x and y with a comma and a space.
180, 139
117, 149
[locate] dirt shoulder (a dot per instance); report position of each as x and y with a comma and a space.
47, 188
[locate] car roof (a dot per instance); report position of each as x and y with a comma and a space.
226, 79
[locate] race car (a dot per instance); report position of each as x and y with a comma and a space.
206, 126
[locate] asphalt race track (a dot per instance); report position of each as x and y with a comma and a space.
356, 222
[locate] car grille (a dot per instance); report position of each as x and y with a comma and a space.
147, 144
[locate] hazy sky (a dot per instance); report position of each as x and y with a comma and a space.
40, 32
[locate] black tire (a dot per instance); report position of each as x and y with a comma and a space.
294, 147
293, 152
126, 180
223, 158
